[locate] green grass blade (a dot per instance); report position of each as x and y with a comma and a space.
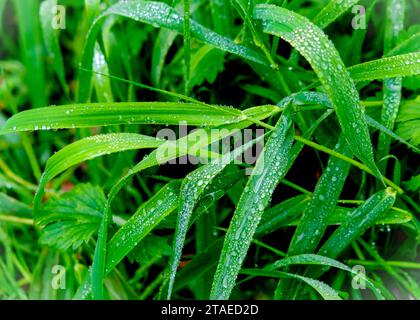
170, 151
108, 114
314, 259
187, 44
268, 171
146, 218
332, 11
244, 9
90, 148
30, 43
51, 41
403, 65
313, 224
163, 43
285, 211
359, 221
96, 146
102, 84
323, 289
392, 86
192, 187
315, 46
411, 44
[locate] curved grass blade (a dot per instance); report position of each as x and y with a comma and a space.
161, 15
102, 84
107, 114
412, 44
281, 213
332, 11
146, 218
315, 259
192, 187
320, 52
323, 289
403, 65
244, 9
266, 175
313, 223
358, 222
90, 148
321, 99
163, 43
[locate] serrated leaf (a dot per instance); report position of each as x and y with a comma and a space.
71, 219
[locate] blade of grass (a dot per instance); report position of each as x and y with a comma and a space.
107, 114
192, 187
268, 170
314, 45
323, 289
392, 87
403, 65
332, 11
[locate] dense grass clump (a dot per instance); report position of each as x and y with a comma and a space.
208, 149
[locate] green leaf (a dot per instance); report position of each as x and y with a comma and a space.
96, 146
403, 65
315, 46
413, 184
285, 211
408, 121
314, 259
206, 63
151, 247
107, 114
143, 221
392, 86
323, 289
360, 220
187, 43
163, 43
268, 171
313, 223
146, 218
90, 148
30, 44
192, 187
332, 11
11, 206
166, 152
71, 219
51, 40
